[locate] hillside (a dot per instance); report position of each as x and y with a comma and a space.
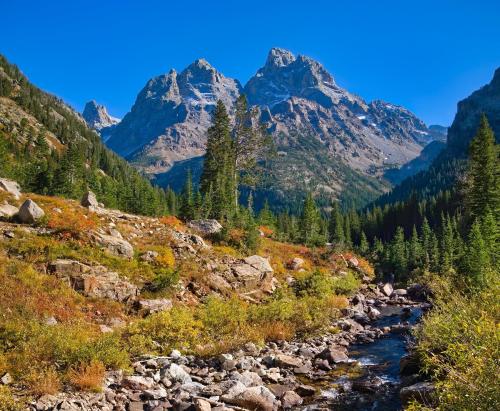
449, 166
88, 291
47, 147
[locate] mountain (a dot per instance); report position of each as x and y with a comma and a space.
449, 166
97, 118
49, 149
170, 116
329, 140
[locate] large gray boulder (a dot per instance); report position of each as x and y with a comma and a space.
11, 187
206, 226
93, 281
154, 306
254, 398
30, 212
259, 263
89, 200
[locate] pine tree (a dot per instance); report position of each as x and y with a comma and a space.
415, 250
266, 217
219, 176
484, 173
309, 222
188, 200
491, 237
398, 253
336, 226
364, 246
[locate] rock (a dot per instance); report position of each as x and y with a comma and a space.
7, 211
387, 289
422, 392
89, 200
207, 226
367, 385
202, 405
93, 281
11, 187
30, 212
154, 306
116, 246
287, 361
373, 313
175, 354
149, 256
333, 355
409, 364
259, 263
105, 329
51, 321
296, 263
6, 379
136, 382
305, 390
254, 398
353, 262
400, 292
179, 374
290, 399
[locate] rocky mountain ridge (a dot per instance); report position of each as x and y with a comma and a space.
97, 117
343, 137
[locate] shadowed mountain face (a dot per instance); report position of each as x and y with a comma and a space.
170, 117
327, 138
450, 164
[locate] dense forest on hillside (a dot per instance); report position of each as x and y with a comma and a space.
75, 160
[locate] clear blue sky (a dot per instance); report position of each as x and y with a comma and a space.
425, 55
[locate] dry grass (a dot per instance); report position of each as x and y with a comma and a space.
172, 222
277, 331
44, 382
87, 377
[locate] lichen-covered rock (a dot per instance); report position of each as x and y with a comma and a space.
93, 281
207, 226
30, 212
154, 306
114, 245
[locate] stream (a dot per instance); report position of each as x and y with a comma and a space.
372, 381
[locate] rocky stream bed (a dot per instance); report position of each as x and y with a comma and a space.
359, 367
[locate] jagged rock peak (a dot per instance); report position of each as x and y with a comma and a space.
279, 57
96, 116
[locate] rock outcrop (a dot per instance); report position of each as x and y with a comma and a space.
93, 281
96, 116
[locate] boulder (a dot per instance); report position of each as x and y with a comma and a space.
93, 281
400, 292
259, 263
154, 306
202, 405
287, 361
254, 398
114, 245
290, 399
179, 374
296, 263
373, 313
136, 382
7, 211
30, 212
206, 226
422, 392
6, 379
333, 355
387, 289
11, 187
89, 200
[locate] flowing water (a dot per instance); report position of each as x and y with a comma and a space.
373, 382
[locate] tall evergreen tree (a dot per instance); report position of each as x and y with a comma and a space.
484, 173
477, 261
336, 226
309, 222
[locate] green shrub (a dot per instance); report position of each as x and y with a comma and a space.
459, 343
7, 402
164, 279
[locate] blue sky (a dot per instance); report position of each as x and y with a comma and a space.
424, 55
